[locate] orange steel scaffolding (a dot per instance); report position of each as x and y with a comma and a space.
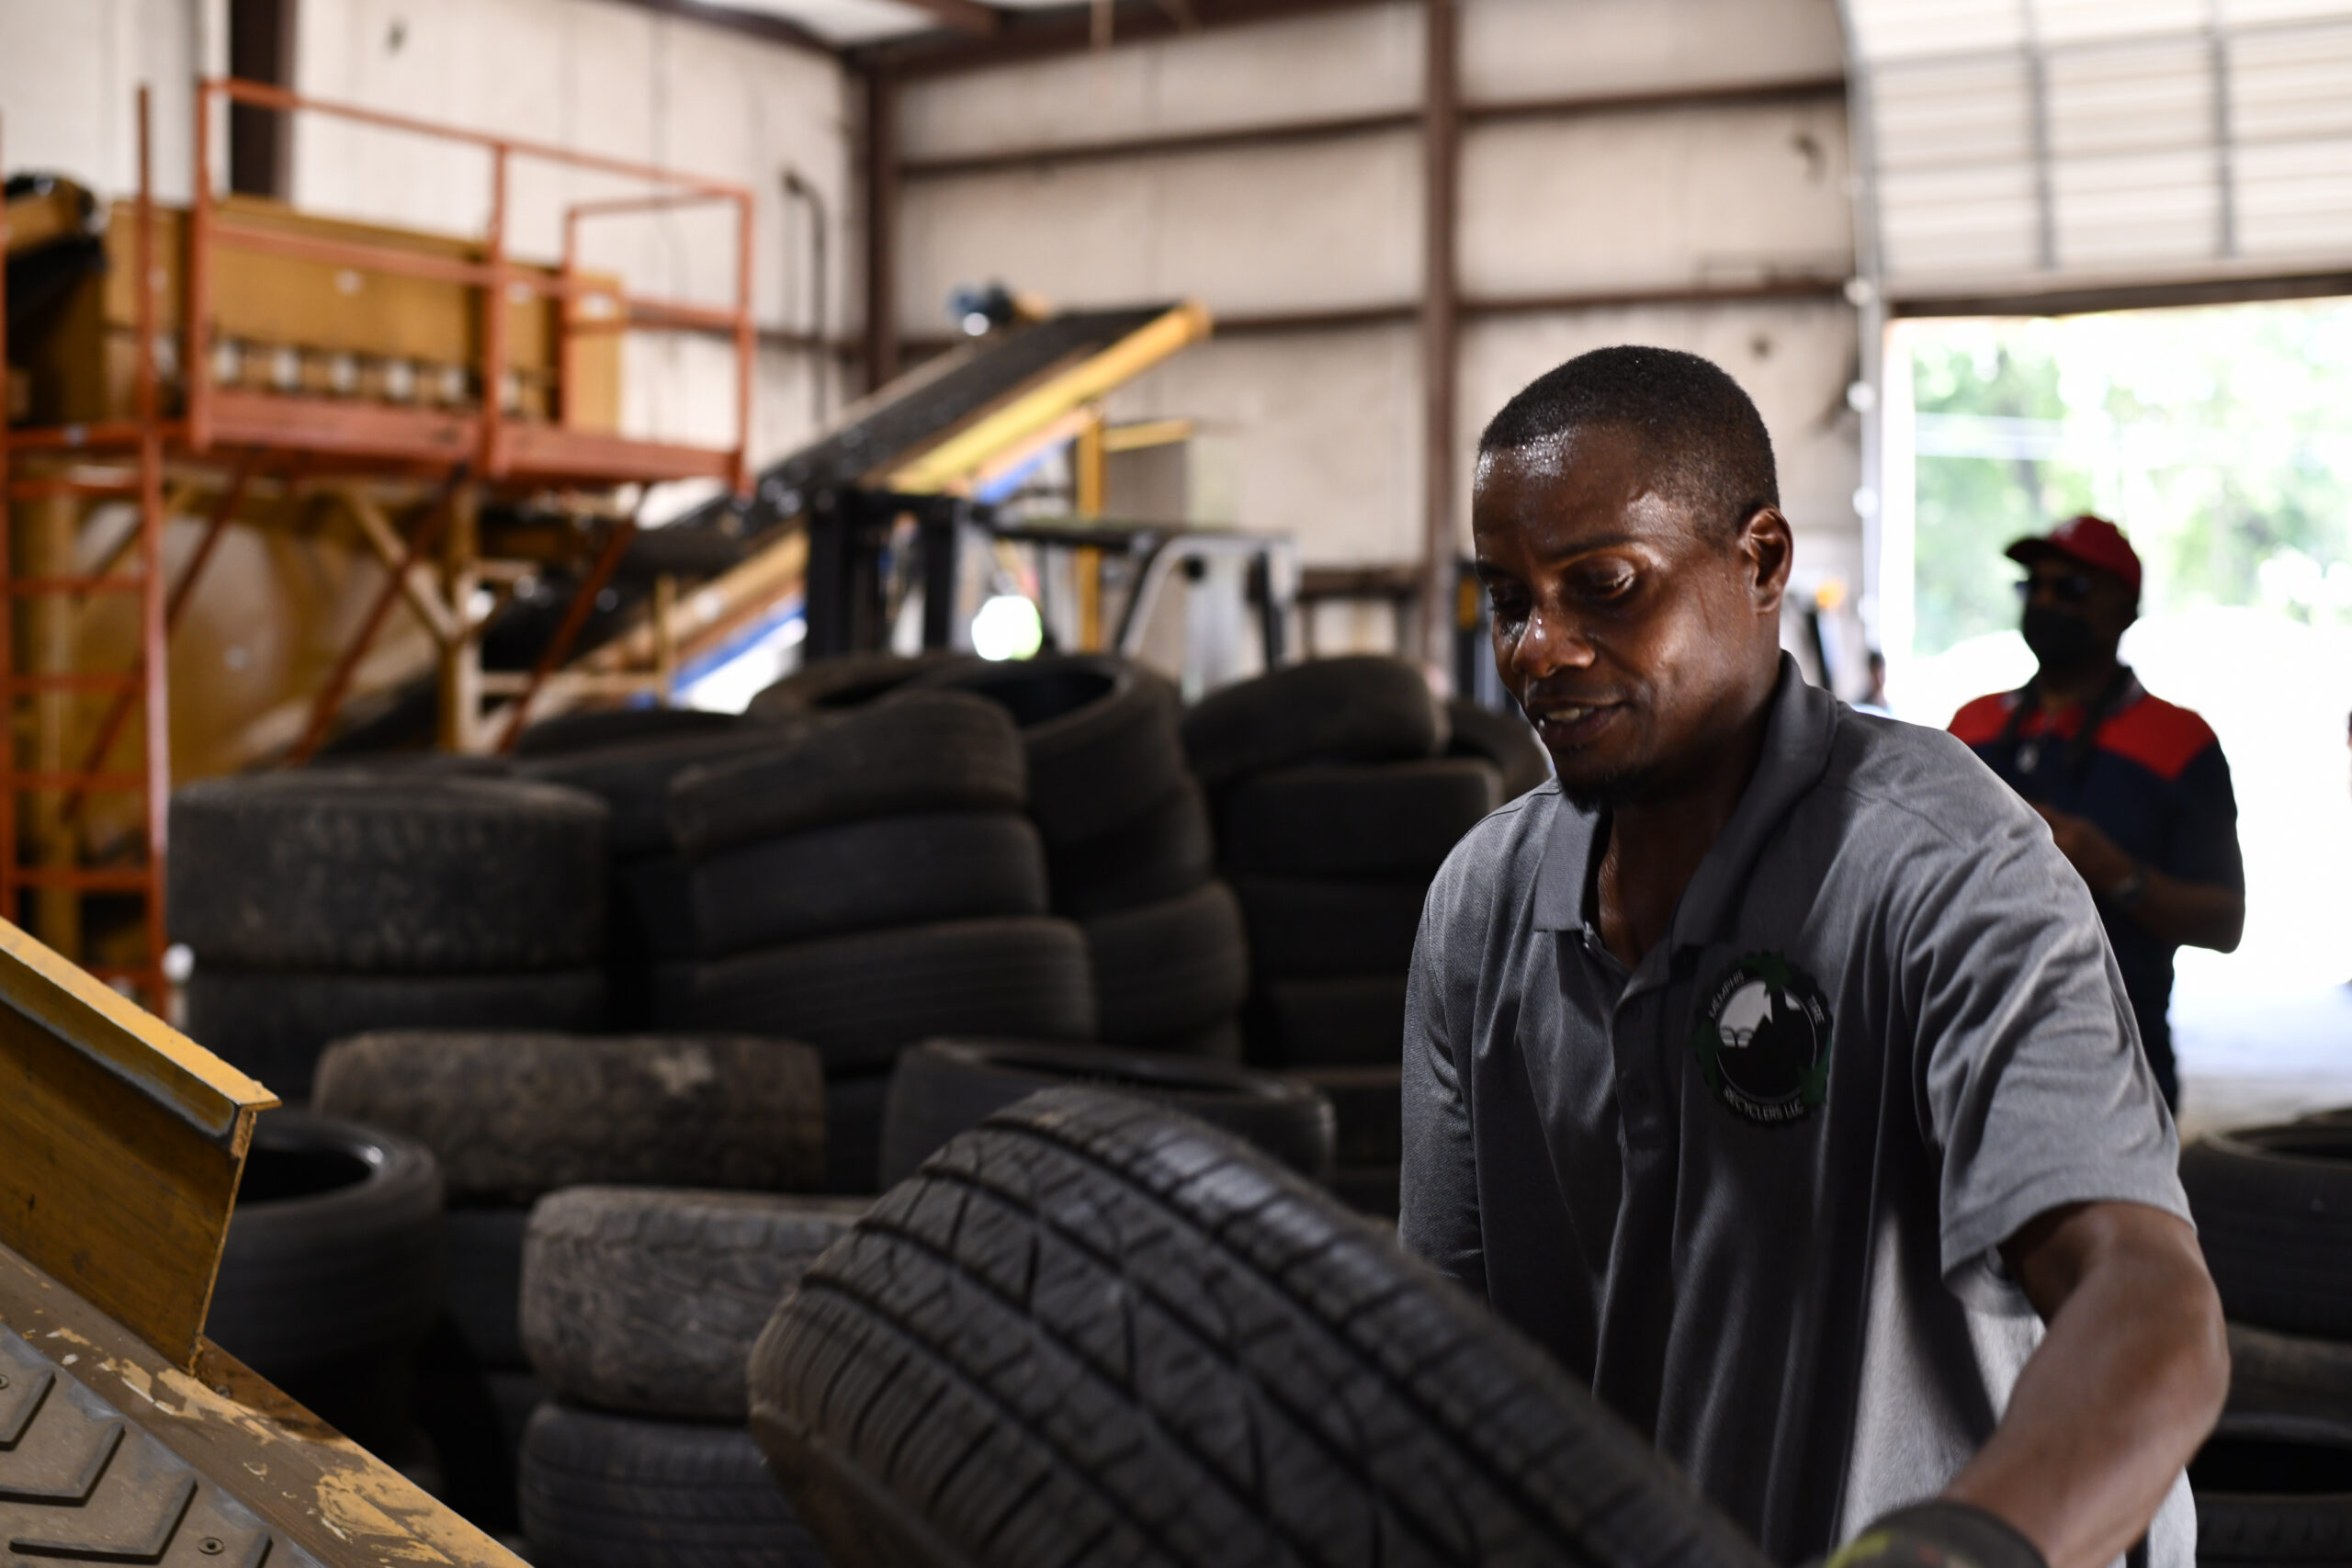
245, 432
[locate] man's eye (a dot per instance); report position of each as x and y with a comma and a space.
1606, 585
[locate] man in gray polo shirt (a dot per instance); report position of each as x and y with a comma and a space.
1770, 1067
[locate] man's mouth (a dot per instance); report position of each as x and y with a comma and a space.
1564, 724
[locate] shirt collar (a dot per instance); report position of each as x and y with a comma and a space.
1797, 736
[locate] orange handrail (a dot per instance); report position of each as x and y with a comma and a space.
497, 278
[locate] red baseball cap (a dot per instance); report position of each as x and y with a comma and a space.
2088, 541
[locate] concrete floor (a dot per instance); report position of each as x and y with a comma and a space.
2246, 1060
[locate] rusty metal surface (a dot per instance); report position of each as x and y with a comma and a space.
78, 1480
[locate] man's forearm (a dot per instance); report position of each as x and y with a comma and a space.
2124, 1387
2197, 914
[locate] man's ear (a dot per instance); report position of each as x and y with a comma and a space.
1767, 550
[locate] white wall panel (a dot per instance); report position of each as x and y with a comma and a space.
1317, 67
1326, 428
1543, 49
1794, 360
1656, 200
619, 82
69, 76
1271, 229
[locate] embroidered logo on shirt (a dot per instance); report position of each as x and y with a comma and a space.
1762, 1036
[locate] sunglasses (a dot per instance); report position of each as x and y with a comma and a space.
2067, 588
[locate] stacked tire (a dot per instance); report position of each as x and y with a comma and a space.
319, 904
331, 1276
1335, 806
628, 761
866, 883
2273, 1207
513, 1117
1128, 845
639, 1309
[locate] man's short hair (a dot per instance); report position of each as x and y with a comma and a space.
1713, 452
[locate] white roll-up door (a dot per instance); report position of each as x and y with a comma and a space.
2018, 145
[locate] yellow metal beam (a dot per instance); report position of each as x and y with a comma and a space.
951, 463
121, 1141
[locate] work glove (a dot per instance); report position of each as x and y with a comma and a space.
1938, 1535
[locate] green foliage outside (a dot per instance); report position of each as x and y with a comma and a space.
2221, 439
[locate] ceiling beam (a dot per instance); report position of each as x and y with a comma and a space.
967, 17
755, 24
1068, 29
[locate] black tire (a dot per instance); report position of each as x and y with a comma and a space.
2273, 1207
924, 751
890, 871
517, 1115
1162, 855
1356, 1021
1100, 733
1368, 1112
854, 1110
646, 1300
847, 680
1362, 708
1505, 739
1328, 1401
1167, 971
634, 781
1401, 819
334, 1249
2272, 1493
484, 1271
616, 1491
361, 873
1314, 928
2287, 1375
599, 727
274, 1024
1220, 1041
946, 1086
858, 999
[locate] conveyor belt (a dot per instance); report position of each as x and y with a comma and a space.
930, 408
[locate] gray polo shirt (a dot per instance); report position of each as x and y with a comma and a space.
1752, 1190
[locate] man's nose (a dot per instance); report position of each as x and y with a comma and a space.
1553, 641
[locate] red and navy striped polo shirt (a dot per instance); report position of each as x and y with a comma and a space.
2153, 780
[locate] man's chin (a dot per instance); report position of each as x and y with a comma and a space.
1593, 791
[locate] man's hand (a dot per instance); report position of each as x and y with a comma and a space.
2125, 1386
2200, 914
2100, 860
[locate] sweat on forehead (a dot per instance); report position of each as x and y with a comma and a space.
1708, 443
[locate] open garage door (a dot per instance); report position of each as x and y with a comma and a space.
2137, 150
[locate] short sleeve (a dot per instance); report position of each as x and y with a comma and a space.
2030, 1068
1438, 1219
2202, 839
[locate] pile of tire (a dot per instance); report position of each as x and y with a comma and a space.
947, 1086
639, 1308
1335, 801
509, 1118
2273, 1207
1128, 845
323, 903
332, 1276
1096, 1330
867, 881
627, 759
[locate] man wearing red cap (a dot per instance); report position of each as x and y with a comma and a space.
2136, 791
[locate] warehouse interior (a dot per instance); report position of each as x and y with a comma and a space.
625, 618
